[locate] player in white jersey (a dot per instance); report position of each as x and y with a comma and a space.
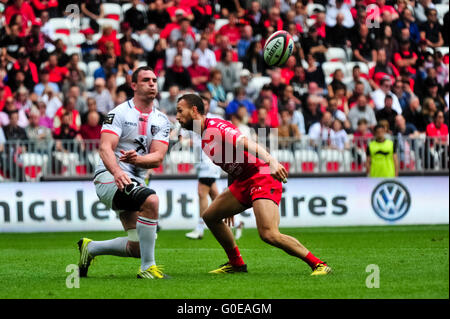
134, 138
207, 174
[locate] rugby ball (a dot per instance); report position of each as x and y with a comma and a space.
278, 48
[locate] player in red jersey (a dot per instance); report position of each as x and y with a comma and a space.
257, 183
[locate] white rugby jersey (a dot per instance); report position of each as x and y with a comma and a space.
136, 130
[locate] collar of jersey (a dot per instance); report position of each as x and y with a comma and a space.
132, 105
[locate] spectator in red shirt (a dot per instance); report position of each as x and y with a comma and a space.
437, 132
29, 69
287, 72
223, 44
199, 74
50, 5
382, 69
91, 130
274, 19
231, 29
23, 9
405, 59
68, 108
109, 35
438, 129
57, 74
5, 92
165, 33
178, 6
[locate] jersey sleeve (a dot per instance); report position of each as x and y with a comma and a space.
112, 123
163, 130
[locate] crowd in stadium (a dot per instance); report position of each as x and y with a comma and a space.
356, 63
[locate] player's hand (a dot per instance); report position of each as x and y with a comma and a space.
229, 221
278, 171
121, 179
128, 156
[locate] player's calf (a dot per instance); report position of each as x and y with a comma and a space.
149, 208
271, 237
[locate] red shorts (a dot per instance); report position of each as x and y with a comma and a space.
258, 186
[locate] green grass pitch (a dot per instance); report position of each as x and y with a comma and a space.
413, 263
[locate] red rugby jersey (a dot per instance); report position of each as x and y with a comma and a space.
219, 144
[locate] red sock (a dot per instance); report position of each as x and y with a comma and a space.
234, 256
312, 260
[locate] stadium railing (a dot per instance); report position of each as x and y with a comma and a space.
72, 159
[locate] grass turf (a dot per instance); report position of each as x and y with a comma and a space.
413, 263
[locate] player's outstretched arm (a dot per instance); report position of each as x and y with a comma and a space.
108, 143
277, 170
153, 159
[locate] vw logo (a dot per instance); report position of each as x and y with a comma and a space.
391, 200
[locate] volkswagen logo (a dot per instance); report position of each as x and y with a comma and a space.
391, 200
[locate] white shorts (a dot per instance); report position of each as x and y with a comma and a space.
106, 188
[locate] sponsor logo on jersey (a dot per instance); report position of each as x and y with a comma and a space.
154, 129
391, 200
109, 118
130, 123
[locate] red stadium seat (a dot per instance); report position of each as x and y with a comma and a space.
332, 166
81, 169
185, 168
159, 170
308, 166
33, 172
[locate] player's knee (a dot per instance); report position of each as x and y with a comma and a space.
133, 249
150, 207
269, 236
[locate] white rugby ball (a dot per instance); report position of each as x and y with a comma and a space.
278, 48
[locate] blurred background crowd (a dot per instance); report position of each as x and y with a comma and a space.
356, 63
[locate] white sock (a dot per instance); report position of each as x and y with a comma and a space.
115, 247
200, 226
146, 229
237, 220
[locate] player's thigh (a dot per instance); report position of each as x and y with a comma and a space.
214, 191
203, 190
225, 205
267, 215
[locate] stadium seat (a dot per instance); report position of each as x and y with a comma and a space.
96, 37
258, 82
312, 6
335, 160
441, 9
443, 50
61, 25
63, 37
34, 165
83, 67
286, 158
120, 80
362, 66
220, 23
164, 94
329, 68
89, 80
71, 50
336, 54
128, 5
76, 39
307, 161
111, 22
93, 158
91, 67
183, 162
142, 63
112, 11
69, 162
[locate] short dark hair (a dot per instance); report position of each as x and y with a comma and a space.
134, 76
378, 126
193, 100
